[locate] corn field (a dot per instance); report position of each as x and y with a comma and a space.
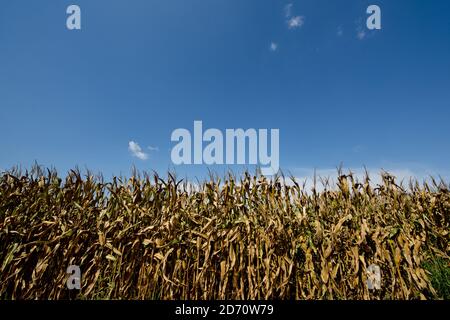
244, 237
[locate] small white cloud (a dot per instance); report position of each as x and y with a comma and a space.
288, 10
361, 34
273, 46
136, 151
296, 22
340, 31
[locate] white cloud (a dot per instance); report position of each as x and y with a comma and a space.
340, 31
136, 151
273, 46
296, 22
293, 22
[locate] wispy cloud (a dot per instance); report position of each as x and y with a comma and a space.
340, 31
361, 31
293, 22
288, 10
153, 148
361, 34
136, 151
296, 22
306, 175
358, 148
273, 46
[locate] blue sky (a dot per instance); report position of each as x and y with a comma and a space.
139, 69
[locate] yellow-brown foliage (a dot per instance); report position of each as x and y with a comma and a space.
245, 238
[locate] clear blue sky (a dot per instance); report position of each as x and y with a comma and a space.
139, 69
